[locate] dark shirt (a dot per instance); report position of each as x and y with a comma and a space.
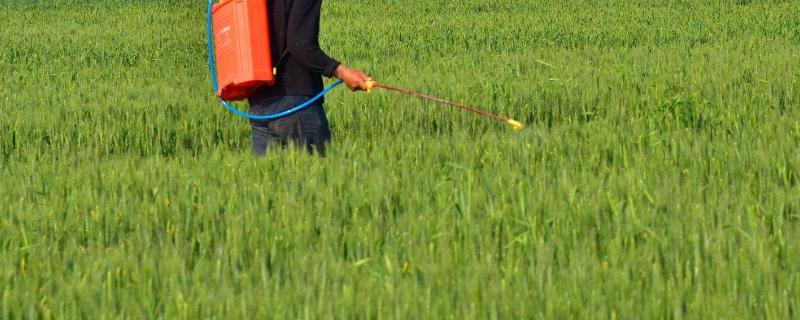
294, 35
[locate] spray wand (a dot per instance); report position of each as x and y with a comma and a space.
515, 125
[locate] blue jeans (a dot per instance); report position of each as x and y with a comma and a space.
307, 128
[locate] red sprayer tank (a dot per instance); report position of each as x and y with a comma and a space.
241, 44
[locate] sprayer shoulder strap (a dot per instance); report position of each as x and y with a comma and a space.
287, 6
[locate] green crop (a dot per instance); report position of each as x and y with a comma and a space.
659, 175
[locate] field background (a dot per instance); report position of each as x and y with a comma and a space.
659, 176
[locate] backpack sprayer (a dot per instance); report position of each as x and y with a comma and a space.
238, 35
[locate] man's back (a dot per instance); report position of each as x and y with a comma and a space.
294, 40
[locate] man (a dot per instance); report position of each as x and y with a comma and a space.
294, 39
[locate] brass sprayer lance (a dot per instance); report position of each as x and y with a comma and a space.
515, 125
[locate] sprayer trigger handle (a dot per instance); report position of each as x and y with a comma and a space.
370, 85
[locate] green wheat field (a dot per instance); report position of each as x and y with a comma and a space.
658, 176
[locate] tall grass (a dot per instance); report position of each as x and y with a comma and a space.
658, 178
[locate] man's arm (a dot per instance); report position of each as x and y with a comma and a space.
302, 40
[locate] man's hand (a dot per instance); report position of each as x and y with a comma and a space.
354, 79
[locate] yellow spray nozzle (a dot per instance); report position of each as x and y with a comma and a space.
370, 85
515, 125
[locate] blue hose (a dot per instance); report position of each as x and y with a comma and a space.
212, 68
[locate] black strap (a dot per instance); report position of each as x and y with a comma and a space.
285, 52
